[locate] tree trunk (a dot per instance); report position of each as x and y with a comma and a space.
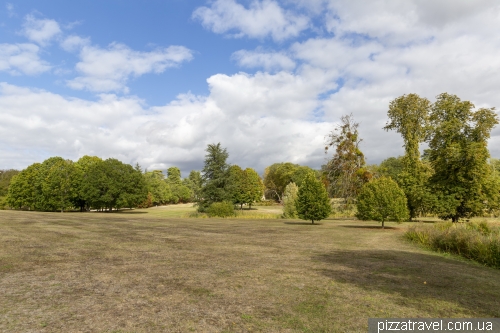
383, 227
312, 221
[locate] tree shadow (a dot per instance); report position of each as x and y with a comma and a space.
415, 278
303, 223
378, 227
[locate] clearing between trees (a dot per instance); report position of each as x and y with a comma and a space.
149, 271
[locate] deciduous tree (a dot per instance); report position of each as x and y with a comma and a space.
463, 181
409, 115
346, 170
382, 200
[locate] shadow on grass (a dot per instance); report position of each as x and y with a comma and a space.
303, 223
418, 279
367, 227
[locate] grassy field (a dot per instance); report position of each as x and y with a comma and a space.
153, 271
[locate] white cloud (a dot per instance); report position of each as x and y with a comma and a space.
38, 124
379, 50
21, 58
270, 61
262, 18
10, 9
41, 31
74, 43
108, 69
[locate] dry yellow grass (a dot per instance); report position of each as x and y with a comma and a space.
139, 271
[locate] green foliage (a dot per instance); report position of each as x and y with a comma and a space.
289, 199
159, 190
462, 180
3, 203
113, 184
179, 191
312, 200
236, 185
382, 200
24, 189
391, 167
409, 115
5, 178
278, 175
49, 186
215, 176
345, 171
82, 166
193, 182
476, 241
59, 184
221, 209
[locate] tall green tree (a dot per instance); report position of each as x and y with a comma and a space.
312, 200
236, 186
159, 190
180, 192
289, 201
5, 178
24, 190
391, 167
59, 186
113, 184
463, 181
382, 200
193, 182
254, 187
278, 175
214, 176
82, 168
346, 170
409, 116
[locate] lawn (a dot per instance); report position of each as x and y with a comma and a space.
153, 271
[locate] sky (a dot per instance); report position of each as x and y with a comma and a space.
155, 81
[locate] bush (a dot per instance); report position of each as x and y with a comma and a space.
476, 241
221, 209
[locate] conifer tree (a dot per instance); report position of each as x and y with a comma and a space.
312, 200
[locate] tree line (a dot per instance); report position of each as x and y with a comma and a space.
454, 177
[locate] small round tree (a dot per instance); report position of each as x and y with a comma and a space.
312, 200
382, 200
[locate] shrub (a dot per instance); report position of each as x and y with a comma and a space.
382, 200
221, 209
476, 241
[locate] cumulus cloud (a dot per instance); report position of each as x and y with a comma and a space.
74, 43
41, 31
269, 61
22, 59
378, 51
262, 18
108, 69
156, 137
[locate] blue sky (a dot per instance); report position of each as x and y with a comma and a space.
154, 82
